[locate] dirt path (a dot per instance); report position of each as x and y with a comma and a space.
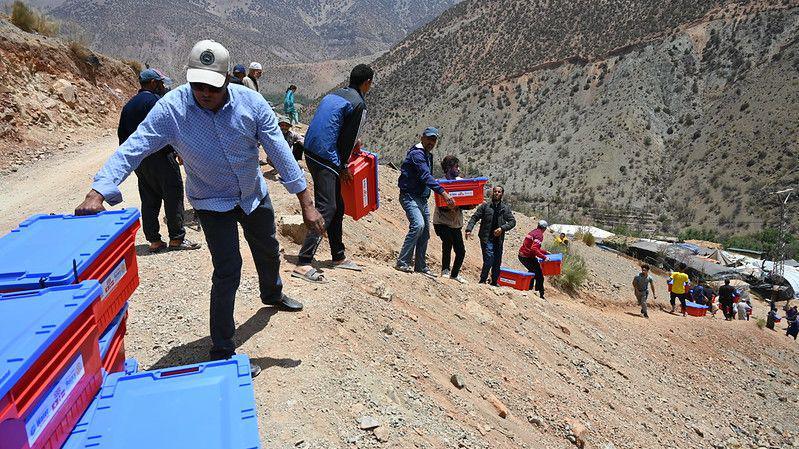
385, 344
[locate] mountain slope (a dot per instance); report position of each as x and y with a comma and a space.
275, 32
677, 113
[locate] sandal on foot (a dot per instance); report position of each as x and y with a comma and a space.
348, 265
311, 275
185, 245
157, 249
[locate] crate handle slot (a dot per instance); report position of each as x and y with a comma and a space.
178, 372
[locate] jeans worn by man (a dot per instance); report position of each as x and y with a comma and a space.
414, 247
492, 259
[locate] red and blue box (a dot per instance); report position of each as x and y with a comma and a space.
465, 192
112, 344
362, 194
49, 363
520, 280
694, 309
208, 405
551, 265
51, 250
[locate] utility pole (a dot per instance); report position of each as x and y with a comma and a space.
779, 262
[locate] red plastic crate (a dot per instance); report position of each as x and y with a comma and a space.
694, 309
465, 192
114, 360
361, 195
65, 378
552, 265
117, 270
520, 280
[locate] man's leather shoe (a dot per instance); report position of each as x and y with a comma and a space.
285, 303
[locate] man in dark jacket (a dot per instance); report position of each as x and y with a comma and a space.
496, 218
415, 183
159, 174
331, 140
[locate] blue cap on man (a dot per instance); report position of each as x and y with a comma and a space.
430, 132
150, 75
239, 68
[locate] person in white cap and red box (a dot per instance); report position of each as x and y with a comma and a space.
216, 128
255, 72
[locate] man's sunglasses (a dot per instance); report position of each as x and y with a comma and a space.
202, 87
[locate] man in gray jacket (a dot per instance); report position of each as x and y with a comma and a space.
496, 218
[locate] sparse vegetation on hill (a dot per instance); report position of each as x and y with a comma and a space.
647, 127
30, 20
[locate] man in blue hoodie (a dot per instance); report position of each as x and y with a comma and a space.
331, 140
415, 183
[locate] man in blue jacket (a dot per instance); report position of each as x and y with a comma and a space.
415, 183
331, 140
159, 174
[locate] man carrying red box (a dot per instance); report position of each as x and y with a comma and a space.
496, 218
529, 254
416, 181
331, 140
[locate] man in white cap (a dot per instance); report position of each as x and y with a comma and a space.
216, 128
531, 252
251, 80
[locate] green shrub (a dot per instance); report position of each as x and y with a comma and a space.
29, 20
573, 273
589, 239
80, 50
647, 141
761, 323
133, 64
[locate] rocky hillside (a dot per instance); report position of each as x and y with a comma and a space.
680, 111
273, 32
51, 93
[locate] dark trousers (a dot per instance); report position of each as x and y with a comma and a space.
160, 181
492, 259
726, 308
534, 266
451, 239
683, 297
222, 237
329, 203
297, 149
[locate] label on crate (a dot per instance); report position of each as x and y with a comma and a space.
113, 278
461, 193
48, 408
365, 193
508, 281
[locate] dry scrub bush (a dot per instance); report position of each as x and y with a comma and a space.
29, 20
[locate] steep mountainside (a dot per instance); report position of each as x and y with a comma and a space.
52, 93
681, 113
274, 32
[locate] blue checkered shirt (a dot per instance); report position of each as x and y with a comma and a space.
219, 150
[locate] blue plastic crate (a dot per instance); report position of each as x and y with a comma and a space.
208, 405
49, 250
33, 320
108, 334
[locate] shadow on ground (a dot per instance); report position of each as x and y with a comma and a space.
197, 351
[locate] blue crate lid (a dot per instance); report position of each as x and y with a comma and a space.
110, 331
695, 305
207, 405
31, 321
48, 250
450, 181
554, 257
511, 270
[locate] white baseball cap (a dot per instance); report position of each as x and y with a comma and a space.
543, 224
255, 66
209, 63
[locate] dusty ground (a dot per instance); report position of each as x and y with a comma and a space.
385, 344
